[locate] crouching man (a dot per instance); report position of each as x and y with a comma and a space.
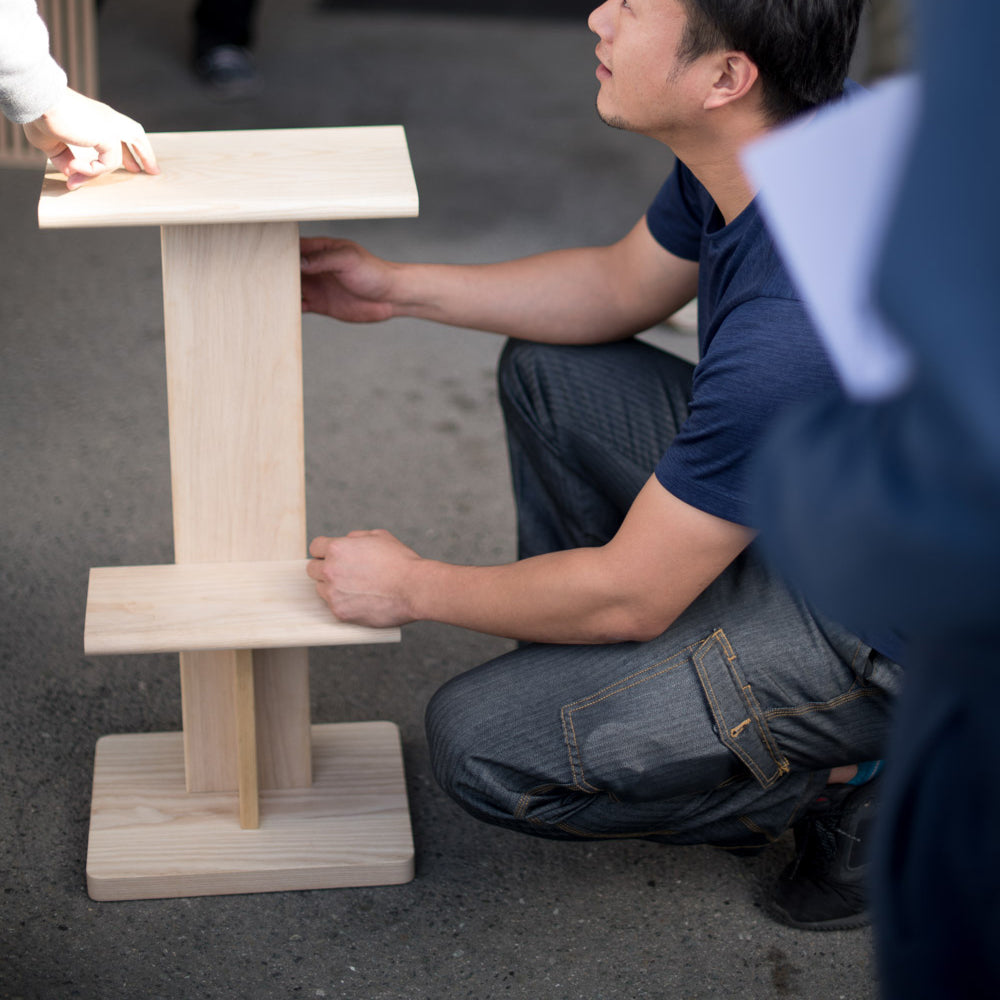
667, 684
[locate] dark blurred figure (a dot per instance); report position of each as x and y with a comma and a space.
890, 512
223, 36
887, 30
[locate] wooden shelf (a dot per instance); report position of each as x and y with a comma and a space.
212, 606
249, 175
250, 797
151, 839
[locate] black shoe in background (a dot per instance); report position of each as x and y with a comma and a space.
229, 72
823, 888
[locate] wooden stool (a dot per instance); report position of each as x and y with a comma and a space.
318, 806
73, 43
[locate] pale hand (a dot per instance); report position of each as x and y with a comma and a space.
363, 576
343, 280
97, 134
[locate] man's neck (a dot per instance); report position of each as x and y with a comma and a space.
727, 185
715, 161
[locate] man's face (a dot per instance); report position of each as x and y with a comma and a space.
645, 87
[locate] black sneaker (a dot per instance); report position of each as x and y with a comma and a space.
823, 888
229, 71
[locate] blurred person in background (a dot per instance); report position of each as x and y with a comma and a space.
223, 38
34, 93
888, 512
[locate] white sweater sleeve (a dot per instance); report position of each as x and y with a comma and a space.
31, 81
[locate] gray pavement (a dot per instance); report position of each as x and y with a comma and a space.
403, 431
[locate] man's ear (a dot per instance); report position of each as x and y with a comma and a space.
735, 75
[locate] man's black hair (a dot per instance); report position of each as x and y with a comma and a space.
801, 47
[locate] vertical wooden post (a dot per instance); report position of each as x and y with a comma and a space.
246, 742
232, 318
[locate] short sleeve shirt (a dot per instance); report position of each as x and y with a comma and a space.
758, 350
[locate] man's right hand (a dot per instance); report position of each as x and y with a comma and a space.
343, 280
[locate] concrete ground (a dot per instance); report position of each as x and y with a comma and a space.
403, 431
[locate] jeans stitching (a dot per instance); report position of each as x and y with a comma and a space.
757, 713
569, 738
521, 809
754, 828
566, 712
600, 694
780, 762
713, 700
820, 706
857, 653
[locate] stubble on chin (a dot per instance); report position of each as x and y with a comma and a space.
613, 121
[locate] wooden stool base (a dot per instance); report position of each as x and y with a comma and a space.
151, 839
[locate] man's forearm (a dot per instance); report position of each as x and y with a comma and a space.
629, 589
578, 296
569, 597
575, 296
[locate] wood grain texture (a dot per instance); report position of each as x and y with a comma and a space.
228, 205
281, 685
233, 328
209, 720
204, 606
247, 176
246, 742
150, 839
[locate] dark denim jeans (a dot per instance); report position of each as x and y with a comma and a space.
719, 731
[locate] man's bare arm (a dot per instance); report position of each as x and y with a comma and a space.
577, 296
632, 588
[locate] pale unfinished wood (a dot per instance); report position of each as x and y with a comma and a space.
281, 683
73, 44
163, 804
232, 317
248, 176
150, 839
212, 606
233, 327
246, 742
209, 720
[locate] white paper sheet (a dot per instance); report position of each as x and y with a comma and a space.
826, 188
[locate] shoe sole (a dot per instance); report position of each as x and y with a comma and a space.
849, 923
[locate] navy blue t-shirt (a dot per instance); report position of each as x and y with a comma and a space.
758, 353
758, 350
